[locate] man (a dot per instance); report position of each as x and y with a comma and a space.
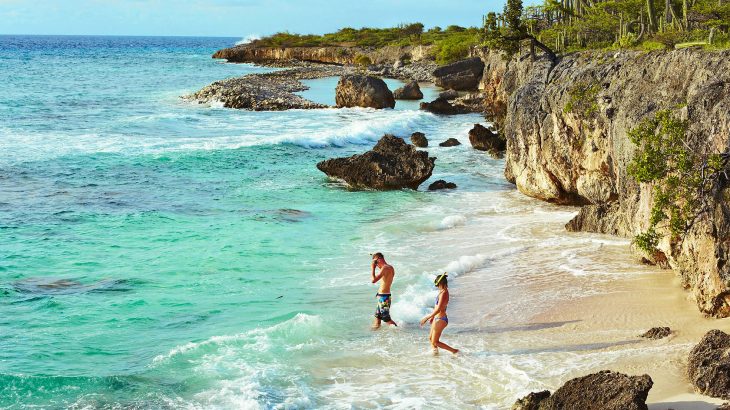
382, 310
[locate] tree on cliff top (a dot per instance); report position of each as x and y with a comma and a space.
508, 36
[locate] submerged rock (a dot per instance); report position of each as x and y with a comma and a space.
605, 390
657, 333
419, 140
391, 164
357, 90
410, 91
708, 366
462, 75
451, 142
443, 107
483, 139
441, 184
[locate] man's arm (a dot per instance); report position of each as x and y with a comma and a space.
380, 275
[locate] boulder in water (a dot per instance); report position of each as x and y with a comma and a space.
451, 142
410, 91
708, 366
440, 185
449, 95
483, 139
462, 75
391, 164
419, 140
357, 90
443, 106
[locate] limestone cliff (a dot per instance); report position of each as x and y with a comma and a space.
330, 55
579, 156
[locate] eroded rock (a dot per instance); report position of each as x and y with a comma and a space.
708, 366
357, 90
443, 107
605, 390
391, 164
440, 185
449, 95
451, 142
410, 91
462, 75
656, 333
419, 140
483, 139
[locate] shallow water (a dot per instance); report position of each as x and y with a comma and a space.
158, 253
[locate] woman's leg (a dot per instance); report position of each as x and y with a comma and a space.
430, 337
438, 328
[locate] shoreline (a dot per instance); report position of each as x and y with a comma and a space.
629, 306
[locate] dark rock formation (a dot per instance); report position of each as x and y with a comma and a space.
708, 365
657, 333
463, 75
419, 140
605, 390
441, 184
451, 142
580, 156
410, 91
391, 164
531, 401
443, 107
482, 139
363, 91
449, 95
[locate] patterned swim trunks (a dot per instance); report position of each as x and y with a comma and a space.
382, 310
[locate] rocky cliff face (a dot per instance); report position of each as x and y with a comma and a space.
329, 55
579, 156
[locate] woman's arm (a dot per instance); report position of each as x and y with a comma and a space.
436, 310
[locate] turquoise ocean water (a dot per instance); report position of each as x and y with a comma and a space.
157, 253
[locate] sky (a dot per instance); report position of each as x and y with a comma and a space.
230, 18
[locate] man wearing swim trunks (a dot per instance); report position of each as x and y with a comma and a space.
385, 277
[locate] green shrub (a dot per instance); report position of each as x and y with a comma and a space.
583, 99
454, 47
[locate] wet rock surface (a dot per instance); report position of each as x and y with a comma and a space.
605, 390
419, 140
356, 90
449, 95
451, 142
410, 91
708, 365
483, 139
391, 164
462, 75
440, 185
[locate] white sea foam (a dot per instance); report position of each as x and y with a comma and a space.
248, 39
452, 221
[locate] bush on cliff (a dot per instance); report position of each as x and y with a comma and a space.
683, 179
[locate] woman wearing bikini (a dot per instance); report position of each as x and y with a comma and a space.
438, 317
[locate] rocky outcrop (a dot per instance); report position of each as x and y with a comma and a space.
357, 90
451, 142
264, 92
462, 75
443, 107
483, 139
342, 55
419, 140
410, 91
449, 95
604, 390
391, 164
441, 185
708, 365
656, 333
567, 128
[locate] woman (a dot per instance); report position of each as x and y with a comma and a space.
438, 317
